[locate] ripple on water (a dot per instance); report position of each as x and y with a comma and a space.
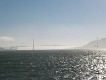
53, 65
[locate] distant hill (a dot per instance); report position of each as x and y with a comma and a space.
93, 44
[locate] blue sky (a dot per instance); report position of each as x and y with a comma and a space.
63, 22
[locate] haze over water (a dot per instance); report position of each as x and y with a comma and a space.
56, 22
66, 23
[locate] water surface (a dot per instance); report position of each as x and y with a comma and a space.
53, 65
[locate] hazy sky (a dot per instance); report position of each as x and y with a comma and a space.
60, 22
